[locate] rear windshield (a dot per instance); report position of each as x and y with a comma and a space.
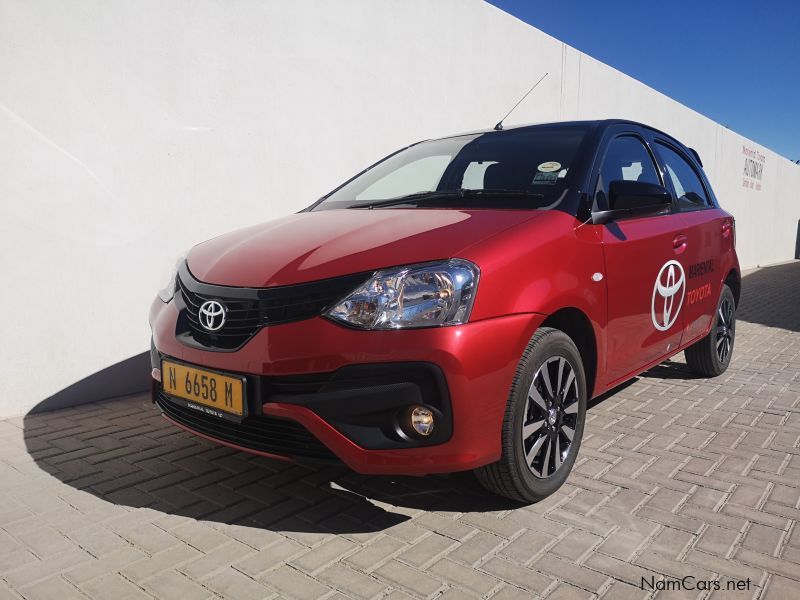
516, 168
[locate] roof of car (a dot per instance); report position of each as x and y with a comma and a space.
586, 123
600, 123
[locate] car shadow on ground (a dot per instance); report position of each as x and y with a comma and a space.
671, 369
125, 453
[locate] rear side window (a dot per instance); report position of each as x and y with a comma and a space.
688, 188
626, 159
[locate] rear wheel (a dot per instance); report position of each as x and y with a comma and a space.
712, 355
543, 423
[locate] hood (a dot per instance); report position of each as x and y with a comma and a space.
317, 245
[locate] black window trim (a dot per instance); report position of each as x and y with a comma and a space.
598, 165
710, 204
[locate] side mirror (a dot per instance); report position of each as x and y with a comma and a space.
627, 199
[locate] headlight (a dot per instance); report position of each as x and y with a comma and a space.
426, 295
169, 283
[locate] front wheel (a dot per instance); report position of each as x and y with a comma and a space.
712, 355
543, 423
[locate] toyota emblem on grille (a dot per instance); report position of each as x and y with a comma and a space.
212, 315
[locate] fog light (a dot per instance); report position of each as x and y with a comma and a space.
422, 420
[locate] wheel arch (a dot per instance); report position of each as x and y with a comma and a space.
577, 325
734, 281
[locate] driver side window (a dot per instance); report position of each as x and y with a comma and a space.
626, 159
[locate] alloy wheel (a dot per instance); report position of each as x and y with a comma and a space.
725, 330
551, 417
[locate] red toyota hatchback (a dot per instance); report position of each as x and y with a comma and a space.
454, 306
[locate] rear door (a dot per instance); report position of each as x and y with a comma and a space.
645, 276
707, 230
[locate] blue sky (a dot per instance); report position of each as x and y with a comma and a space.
735, 62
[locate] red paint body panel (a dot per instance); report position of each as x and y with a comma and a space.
635, 251
318, 245
705, 242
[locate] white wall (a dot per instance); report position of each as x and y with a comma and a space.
131, 130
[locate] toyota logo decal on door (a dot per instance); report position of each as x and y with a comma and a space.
212, 315
668, 293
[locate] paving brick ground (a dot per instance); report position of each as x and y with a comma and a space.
677, 476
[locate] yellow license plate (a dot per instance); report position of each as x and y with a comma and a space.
211, 392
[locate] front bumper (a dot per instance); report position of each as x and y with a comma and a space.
342, 386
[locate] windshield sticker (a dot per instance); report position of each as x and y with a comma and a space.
545, 178
549, 167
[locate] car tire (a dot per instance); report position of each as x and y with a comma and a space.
540, 414
711, 356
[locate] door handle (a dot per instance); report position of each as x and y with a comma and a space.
679, 242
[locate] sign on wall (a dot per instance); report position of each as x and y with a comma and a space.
753, 168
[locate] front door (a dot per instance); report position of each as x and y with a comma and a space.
646, 277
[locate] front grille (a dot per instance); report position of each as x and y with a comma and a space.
250, 309
261, 433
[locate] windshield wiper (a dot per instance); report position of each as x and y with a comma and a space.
416, 198
421, 198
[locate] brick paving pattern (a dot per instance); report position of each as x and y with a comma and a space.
677, 476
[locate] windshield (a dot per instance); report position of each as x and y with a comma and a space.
522, 168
